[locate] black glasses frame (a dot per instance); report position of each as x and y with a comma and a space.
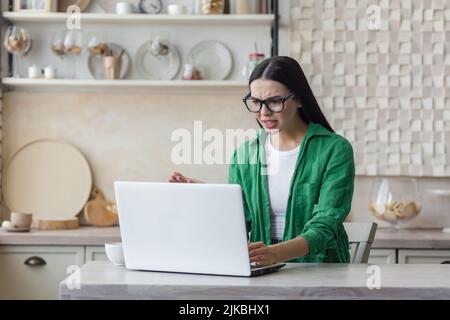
266, 102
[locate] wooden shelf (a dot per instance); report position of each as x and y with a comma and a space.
25, 84
97, 18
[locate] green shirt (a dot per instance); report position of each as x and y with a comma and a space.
320, 193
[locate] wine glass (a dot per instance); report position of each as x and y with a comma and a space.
97, 44
58, 48
73, 45
18, 42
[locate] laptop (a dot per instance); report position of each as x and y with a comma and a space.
185, 227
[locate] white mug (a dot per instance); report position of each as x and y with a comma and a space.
49, 72
34, 72
124, 8
176, 9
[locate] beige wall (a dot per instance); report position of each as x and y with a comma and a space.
123, 136
128, 136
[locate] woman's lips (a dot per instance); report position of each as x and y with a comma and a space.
269, 124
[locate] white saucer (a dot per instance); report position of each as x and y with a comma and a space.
17, 229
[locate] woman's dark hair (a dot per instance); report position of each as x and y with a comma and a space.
287, 71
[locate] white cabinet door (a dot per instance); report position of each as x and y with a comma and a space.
423, 256
34, 272
95, 253
382, 256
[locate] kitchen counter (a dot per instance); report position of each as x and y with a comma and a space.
82, 236
384, 239
102, 280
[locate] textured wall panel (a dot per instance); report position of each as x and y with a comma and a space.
387, 90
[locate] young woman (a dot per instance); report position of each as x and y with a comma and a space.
297, 175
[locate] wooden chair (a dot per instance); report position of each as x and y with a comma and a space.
360, 238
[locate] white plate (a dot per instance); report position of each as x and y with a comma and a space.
96, 65
212, 58
17, 229
153, 67
48, 178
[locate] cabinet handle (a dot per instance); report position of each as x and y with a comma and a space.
35, 261
445, 262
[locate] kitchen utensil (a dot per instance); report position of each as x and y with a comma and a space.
212, 58
96, 63
64, 4
155, 65
99, 211
56, 224
48, 178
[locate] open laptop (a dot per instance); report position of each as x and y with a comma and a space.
185, 227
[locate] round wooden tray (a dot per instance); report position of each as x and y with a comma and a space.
50, 179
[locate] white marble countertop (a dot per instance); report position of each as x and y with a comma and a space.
402, 239
102, 280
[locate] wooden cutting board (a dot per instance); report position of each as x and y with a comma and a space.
55, 224
64, 4
100, 212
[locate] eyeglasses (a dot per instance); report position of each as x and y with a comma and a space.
274, 104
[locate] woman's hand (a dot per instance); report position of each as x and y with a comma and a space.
178, 177
261, 254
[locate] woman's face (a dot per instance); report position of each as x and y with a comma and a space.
263, 89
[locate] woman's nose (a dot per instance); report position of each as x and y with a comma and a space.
265, 110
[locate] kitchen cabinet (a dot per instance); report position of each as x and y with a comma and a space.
383, 256
33, 272
423, 256
95, 253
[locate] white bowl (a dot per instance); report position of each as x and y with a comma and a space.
176, 9
114, 252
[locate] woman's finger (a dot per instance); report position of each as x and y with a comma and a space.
255, 245
257, 259
257, 252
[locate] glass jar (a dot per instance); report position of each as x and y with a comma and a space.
394, 200
213, 6
254, 59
